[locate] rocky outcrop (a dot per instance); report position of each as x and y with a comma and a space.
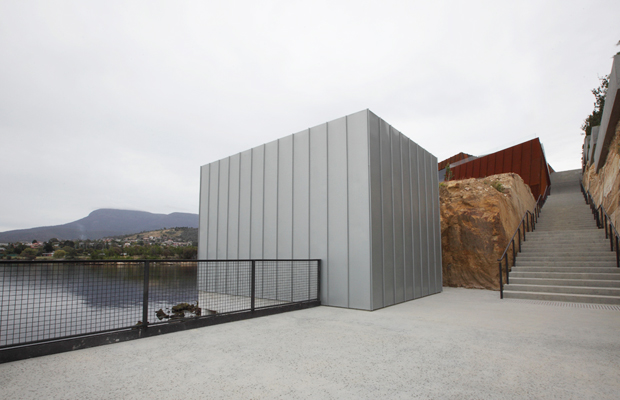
478, 217
604, 186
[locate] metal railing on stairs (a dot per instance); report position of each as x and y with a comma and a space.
603, 221
527, 224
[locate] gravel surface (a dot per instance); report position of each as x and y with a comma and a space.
459, 344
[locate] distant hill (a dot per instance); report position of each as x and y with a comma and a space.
103, 223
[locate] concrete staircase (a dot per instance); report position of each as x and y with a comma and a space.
566, 258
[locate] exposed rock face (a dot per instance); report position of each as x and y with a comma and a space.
604, 186
477, 220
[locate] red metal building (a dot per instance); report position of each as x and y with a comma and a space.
453, 159
526, 159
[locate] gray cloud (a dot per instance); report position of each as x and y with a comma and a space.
117, 104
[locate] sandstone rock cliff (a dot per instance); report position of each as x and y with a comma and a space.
477, 220
604, 186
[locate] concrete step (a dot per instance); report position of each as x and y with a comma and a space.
598, 245
566, 251
569, 261
573, 298
572, 234
597, 291
605, 270
565, 282
565, 275
585, 251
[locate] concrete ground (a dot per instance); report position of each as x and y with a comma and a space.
460, 344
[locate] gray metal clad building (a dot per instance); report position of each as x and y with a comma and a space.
353, 192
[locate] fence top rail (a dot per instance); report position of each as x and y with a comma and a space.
515, 234
130, 261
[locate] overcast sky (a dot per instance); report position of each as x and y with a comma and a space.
107, 104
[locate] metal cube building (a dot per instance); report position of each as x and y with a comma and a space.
353, 192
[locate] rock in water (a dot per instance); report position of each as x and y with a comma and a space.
161, 314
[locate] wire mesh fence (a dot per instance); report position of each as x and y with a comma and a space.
44, 301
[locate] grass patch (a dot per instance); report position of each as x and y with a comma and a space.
498, 186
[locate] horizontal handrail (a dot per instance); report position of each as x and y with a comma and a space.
529, 222
603, 221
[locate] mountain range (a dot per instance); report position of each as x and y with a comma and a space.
103, 223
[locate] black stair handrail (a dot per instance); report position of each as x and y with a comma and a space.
603, 221
530, 218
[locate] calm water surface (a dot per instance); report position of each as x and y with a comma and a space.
44, 301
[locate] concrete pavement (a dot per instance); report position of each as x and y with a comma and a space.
459, 344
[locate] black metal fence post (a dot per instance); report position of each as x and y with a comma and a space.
617, 254
253, 300
501, 281
145, 297
318, 283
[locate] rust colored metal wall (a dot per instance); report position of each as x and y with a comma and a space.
453, 159
526, 159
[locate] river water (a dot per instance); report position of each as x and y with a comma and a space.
46, 301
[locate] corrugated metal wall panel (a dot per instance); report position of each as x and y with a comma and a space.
376, 211
423, 221
416, 220
203, 212
270, 207
245, 204
301, 195
258, 200
387, 213
318, 202
399, 245
285, 198
213, 195
407, 218
359, 208
233, 207
337, 212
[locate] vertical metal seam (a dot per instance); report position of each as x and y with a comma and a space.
217, 220
292, 210
327, 206
402, 201
309, 193
277, 211
208, 214
277, 204
428, 273
293, 199
238, 224
309, 213
239, 211
227, 221
262, 253
251, 200
419, 226
199, 211
346, 147
382, 219
393, 216
370, 272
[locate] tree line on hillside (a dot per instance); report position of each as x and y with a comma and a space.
96, 250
